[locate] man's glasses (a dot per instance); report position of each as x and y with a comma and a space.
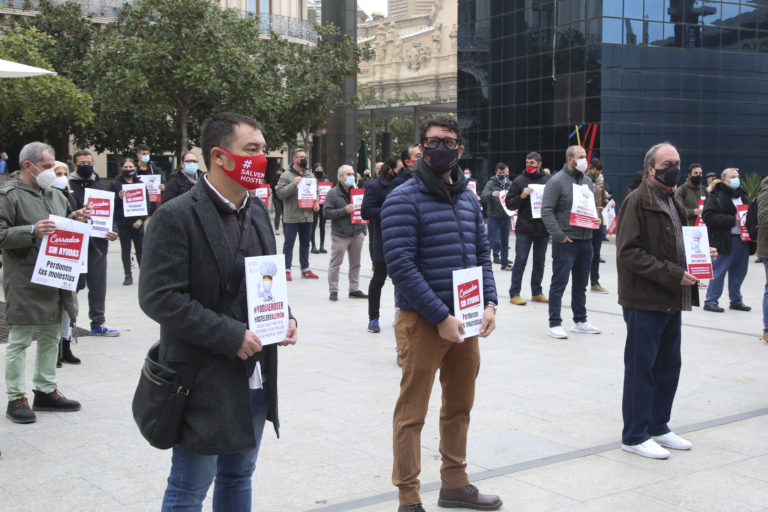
434, 142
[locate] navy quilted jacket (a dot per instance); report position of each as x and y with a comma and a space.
425, 239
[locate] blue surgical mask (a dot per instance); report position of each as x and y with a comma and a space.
190, 167
349, 181
466, 177
735, 182
145, 158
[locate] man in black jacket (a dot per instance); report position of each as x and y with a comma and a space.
721, 217
499, 221
529, 231
190, 249
96, 278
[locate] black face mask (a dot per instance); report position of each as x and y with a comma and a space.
129, 173
441, 159
668, 176
695, 181
85, 171
303, 163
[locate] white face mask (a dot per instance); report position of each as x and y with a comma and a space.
60, 182
581, 164
46, 178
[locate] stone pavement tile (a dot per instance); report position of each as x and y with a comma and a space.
64, 494
627, 501
712, 490
125, 485
746, 437
755, 467
505, 447
589, 478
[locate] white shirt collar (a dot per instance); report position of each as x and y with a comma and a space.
224, 199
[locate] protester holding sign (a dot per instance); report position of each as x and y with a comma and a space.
498, 219
569, 214
147, 168
692, 194
723, 224
595, 173
529, 230
129, 229
26, 201
96, 278
346, 236
297, 219
432, 225
193, 284
323, 186
654, 287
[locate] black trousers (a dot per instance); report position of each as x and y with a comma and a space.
278, 210
128, 234
96, 281
318, 217
374, 288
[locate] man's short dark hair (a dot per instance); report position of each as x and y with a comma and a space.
533, 156
405, 154
219, 130
296, 150
596, 163
693, 166
445, 122
501, 166
82, 152
142, 147
389, 164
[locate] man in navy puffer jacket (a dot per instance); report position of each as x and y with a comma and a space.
432, 225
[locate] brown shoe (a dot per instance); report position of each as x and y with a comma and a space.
765, 336
468, 497
518, 301
416, 507
540, 298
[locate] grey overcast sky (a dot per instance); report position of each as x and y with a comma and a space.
370, 6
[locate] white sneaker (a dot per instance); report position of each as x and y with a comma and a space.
586, 327
557, 332
674, 441
649, 449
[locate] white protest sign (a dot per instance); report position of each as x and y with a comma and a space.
503, 199
62, 254
134, 200
307, 192
102, 210
609, 217
583, 209
468, 305
323, 187
697, 256
267, 295
153, 186
537, 197
471, 185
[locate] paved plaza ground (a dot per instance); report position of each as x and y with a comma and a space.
545, 428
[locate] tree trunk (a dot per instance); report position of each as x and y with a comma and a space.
183, 121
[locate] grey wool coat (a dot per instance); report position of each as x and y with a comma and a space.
184, 270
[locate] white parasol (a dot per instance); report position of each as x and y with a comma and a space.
10, 69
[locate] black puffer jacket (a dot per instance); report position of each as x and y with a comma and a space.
719, 215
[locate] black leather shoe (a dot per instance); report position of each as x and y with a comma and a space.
740, 307
468, 497
416, 507
334, 296
54, 401
19, 412
128, 281
323, 251
358, 294
713, 309
66, 352
314, 251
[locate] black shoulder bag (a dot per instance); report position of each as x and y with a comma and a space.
161, 395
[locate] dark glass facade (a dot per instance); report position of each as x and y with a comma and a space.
627, 73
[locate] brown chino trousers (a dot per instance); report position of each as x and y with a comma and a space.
424, 352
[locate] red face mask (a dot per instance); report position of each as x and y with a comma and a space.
248, 170
530, 169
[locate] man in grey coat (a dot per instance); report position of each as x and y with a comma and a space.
26, 200
345, 236
190, 250
571, 243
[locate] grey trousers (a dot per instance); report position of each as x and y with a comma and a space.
339, 245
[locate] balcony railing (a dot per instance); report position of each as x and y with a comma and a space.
285, 26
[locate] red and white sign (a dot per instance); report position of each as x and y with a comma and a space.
102, 211
698, 260
699, 219
62, 254
356, 194
134, 199
323, 187
583, 209
609, 217
468, 305
472, 185
537, 198
742, 212
307, 194
153, 186
262, 192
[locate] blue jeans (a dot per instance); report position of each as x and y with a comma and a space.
735, 265
571, 258
498, 236
765, 298
192, 474
651, 372
522, 249
290, 230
